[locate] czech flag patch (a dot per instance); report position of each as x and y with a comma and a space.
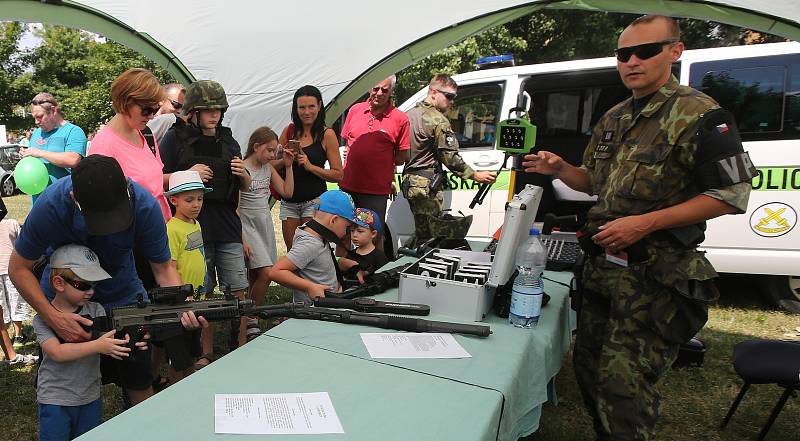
723, 128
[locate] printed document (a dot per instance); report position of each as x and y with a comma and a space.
275, 414
413, 345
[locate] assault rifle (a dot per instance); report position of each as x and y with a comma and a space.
375, 283
167, 314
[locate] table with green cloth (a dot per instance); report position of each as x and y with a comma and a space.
496, 394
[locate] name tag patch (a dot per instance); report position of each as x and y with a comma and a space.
603, 151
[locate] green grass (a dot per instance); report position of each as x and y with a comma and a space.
694, 399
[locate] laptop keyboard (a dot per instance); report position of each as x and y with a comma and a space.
561, 254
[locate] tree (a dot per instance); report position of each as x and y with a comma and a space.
76, 66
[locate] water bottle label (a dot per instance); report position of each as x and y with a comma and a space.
526, 305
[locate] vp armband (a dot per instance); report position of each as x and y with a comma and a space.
720, 158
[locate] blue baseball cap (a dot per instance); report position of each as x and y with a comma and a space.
339, 203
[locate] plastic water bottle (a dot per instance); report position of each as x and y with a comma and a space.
528, 288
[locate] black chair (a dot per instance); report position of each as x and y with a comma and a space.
766, 362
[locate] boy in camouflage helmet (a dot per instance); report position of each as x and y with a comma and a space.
206, 146
657, 162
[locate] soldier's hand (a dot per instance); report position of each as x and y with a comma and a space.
621, 233
484, 177
543, 162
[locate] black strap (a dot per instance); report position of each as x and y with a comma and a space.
150, 139
328, 237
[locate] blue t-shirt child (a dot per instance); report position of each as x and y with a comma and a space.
55, 220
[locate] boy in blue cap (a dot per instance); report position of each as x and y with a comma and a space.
310, 266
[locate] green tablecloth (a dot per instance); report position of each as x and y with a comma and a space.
373, 401
518, 363
496, 394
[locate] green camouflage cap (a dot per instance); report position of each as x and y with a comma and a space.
205, 95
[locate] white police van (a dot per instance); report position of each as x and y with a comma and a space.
759, 84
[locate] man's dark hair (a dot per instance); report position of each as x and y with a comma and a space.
672, 26
318, 127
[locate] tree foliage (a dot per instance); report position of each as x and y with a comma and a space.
77, 67
559, 35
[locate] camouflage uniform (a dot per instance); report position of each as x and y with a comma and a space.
432, 141
633, 318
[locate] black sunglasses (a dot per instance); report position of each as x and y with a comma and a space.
80, 285
40, 102
642, 51
176, 105
449, 95
148, 110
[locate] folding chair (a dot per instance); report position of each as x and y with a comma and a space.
766, 362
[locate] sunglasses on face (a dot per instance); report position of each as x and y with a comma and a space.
80, 285
449, 95
148, 110
642, 51
382, 89
176, 105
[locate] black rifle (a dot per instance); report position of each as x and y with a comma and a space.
142, 317
362, 304
373, 284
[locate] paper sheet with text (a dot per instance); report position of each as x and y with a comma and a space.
413, 345
275, 414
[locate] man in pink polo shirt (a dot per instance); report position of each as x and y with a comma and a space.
377, 137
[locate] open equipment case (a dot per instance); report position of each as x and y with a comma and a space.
470, 298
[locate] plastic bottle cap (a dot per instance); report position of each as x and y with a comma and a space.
534, 232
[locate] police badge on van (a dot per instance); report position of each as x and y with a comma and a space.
773, 219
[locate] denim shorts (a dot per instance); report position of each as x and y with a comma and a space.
298, 210
226, 261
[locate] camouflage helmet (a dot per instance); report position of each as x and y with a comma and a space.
205, 95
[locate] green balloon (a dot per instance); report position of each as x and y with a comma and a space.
31, 176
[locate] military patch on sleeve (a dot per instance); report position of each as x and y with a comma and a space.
735, 169
608, 135
450, 140
603, 151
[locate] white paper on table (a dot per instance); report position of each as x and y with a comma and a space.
275, 414
413, 345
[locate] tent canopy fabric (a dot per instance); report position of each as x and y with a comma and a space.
261, 52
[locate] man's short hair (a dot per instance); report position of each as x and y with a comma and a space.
443, 80
47, 102
672, 25
174, 86
135, 86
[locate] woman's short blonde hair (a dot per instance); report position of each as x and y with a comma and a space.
135, 86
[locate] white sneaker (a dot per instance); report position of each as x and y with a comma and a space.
23, 360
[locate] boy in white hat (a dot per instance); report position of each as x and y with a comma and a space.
186, 191
68, 385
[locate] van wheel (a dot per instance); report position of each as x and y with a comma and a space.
784, 292
388, 243
8, 186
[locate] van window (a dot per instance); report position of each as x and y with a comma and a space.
475, 113
763, 93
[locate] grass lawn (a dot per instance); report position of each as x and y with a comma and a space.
694, 399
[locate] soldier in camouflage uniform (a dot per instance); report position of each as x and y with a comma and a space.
433, 143
661, 163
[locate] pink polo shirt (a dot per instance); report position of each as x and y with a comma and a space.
137, 162
372, 143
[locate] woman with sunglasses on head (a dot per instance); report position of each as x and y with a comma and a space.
136, 96
316, 145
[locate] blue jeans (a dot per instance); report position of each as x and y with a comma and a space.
226, 260
63, 423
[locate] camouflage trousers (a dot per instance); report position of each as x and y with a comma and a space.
423, 204
619, 357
